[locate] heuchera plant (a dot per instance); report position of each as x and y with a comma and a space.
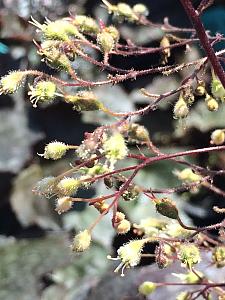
61, 41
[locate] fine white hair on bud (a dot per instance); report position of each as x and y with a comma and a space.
68, 186
55, 150
81, 241
115, 148
218, 137
11, 82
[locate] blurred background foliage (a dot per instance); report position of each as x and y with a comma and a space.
35, 259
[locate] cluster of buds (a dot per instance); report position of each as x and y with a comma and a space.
189, 255
122, 11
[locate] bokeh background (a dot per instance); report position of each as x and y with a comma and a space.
35, 259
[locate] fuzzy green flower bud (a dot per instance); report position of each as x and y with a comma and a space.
125, 11
57, 30
217, 88
11, 82
181, 109
113, 32
86, 24
55, 150
53, 57
115, 148
211, 103
84, 101
217, 137
68, 186
167, 208
81, 241
106, 41
189, 255
140, 10
218, 256
136, 133
147, 287
123, 227
43, 91
63, 204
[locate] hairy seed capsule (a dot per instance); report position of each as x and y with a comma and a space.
166, 208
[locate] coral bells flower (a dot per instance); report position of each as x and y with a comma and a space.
81, 241
55, 150
11, 82
63, 204
43, 91
129, 254
68, 186
115, 148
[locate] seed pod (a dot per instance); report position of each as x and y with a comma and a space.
166, 208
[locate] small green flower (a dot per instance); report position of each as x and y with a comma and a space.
115, 148
68, 186
81, 241
189, 255
55, 150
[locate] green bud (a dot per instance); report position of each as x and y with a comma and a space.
188, 175
181, 109
11, 82
45, 187
200, 88
211, 103
68, 186
217, 137
43, 91
147, 287
55, 150
113, 32
218, 256
166, 208
115, 148
217, 88
124, 10
106, 41
84, 101
86, 24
